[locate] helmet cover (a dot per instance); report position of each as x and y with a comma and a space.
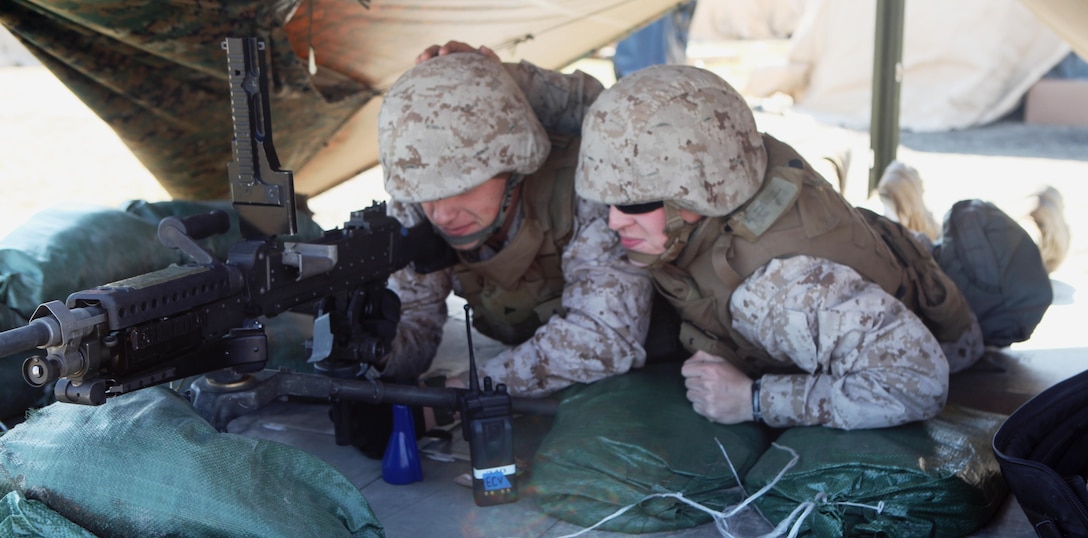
671, 133
453, 122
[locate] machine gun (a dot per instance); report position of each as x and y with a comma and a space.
200, 317
203, 317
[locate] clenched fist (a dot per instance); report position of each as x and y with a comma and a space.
717, 389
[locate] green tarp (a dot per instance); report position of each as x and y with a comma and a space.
933, 478
618, 440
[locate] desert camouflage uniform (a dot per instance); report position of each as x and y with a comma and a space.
831, 346
867, 360
835, 348
600, 335
604, 297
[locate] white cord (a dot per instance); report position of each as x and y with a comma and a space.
789, 527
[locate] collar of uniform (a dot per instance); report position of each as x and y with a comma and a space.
508, 265
702, 237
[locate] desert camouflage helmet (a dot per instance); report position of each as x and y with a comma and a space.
671, 133
453, 122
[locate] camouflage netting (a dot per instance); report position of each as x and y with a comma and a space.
145, 464
155, 73
618, 440
64, 250
934, 478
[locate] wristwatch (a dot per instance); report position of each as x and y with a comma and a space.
757, 414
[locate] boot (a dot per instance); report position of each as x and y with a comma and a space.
1053, 237
901, 190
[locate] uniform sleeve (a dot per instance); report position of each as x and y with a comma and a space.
423, 309
869, 361
559, 101
607, 303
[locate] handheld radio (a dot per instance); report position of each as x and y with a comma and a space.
488, 427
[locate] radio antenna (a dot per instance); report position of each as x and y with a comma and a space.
473, 378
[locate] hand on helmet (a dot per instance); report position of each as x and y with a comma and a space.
717, 389
452, 47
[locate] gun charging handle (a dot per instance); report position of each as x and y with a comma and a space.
181, 233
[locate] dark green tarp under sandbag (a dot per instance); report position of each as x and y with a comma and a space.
145, 464
67, 249
26, 518
935, 478
155, 73
618, 440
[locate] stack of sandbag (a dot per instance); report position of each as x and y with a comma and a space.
146, 464
629, 447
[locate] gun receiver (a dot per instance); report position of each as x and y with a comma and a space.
200, 317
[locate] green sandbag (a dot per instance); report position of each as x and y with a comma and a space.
145, 464
934, 478
67, 249
618, 440
26, 518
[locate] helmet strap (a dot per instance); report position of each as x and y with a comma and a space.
677, 230
500, 219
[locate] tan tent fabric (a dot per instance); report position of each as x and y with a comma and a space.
154, 72
745, 19
1069, 18
376, 45
965, 63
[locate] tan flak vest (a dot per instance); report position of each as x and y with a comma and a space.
796, 212
517, 290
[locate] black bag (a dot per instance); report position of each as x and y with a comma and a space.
999, 269
1043, 452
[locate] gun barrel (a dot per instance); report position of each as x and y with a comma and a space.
377, 392
534, 406
36, 333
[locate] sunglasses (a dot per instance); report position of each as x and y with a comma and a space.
638, 209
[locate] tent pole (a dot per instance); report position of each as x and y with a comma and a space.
887, 77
